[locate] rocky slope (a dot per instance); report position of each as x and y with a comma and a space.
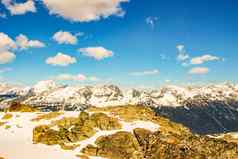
120, 132
205, 109
129, 135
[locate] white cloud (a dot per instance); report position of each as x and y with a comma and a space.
19, 8
203, 59
97, 53
146, 73
24, 43
78, 77
61, 60
182, 55
63, 37
85, 10
151, 21
6, 57
199, 70
6, 42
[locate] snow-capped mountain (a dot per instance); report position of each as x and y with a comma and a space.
48, 92
45, 87
205, 109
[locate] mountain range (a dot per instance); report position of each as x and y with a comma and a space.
210, 109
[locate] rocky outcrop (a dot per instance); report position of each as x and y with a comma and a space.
121, 145
171, 140
73, 129
143, 144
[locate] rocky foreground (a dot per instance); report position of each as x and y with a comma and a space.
121, 132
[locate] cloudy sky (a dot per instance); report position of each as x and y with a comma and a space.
127, 42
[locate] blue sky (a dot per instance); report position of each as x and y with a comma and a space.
132, 43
